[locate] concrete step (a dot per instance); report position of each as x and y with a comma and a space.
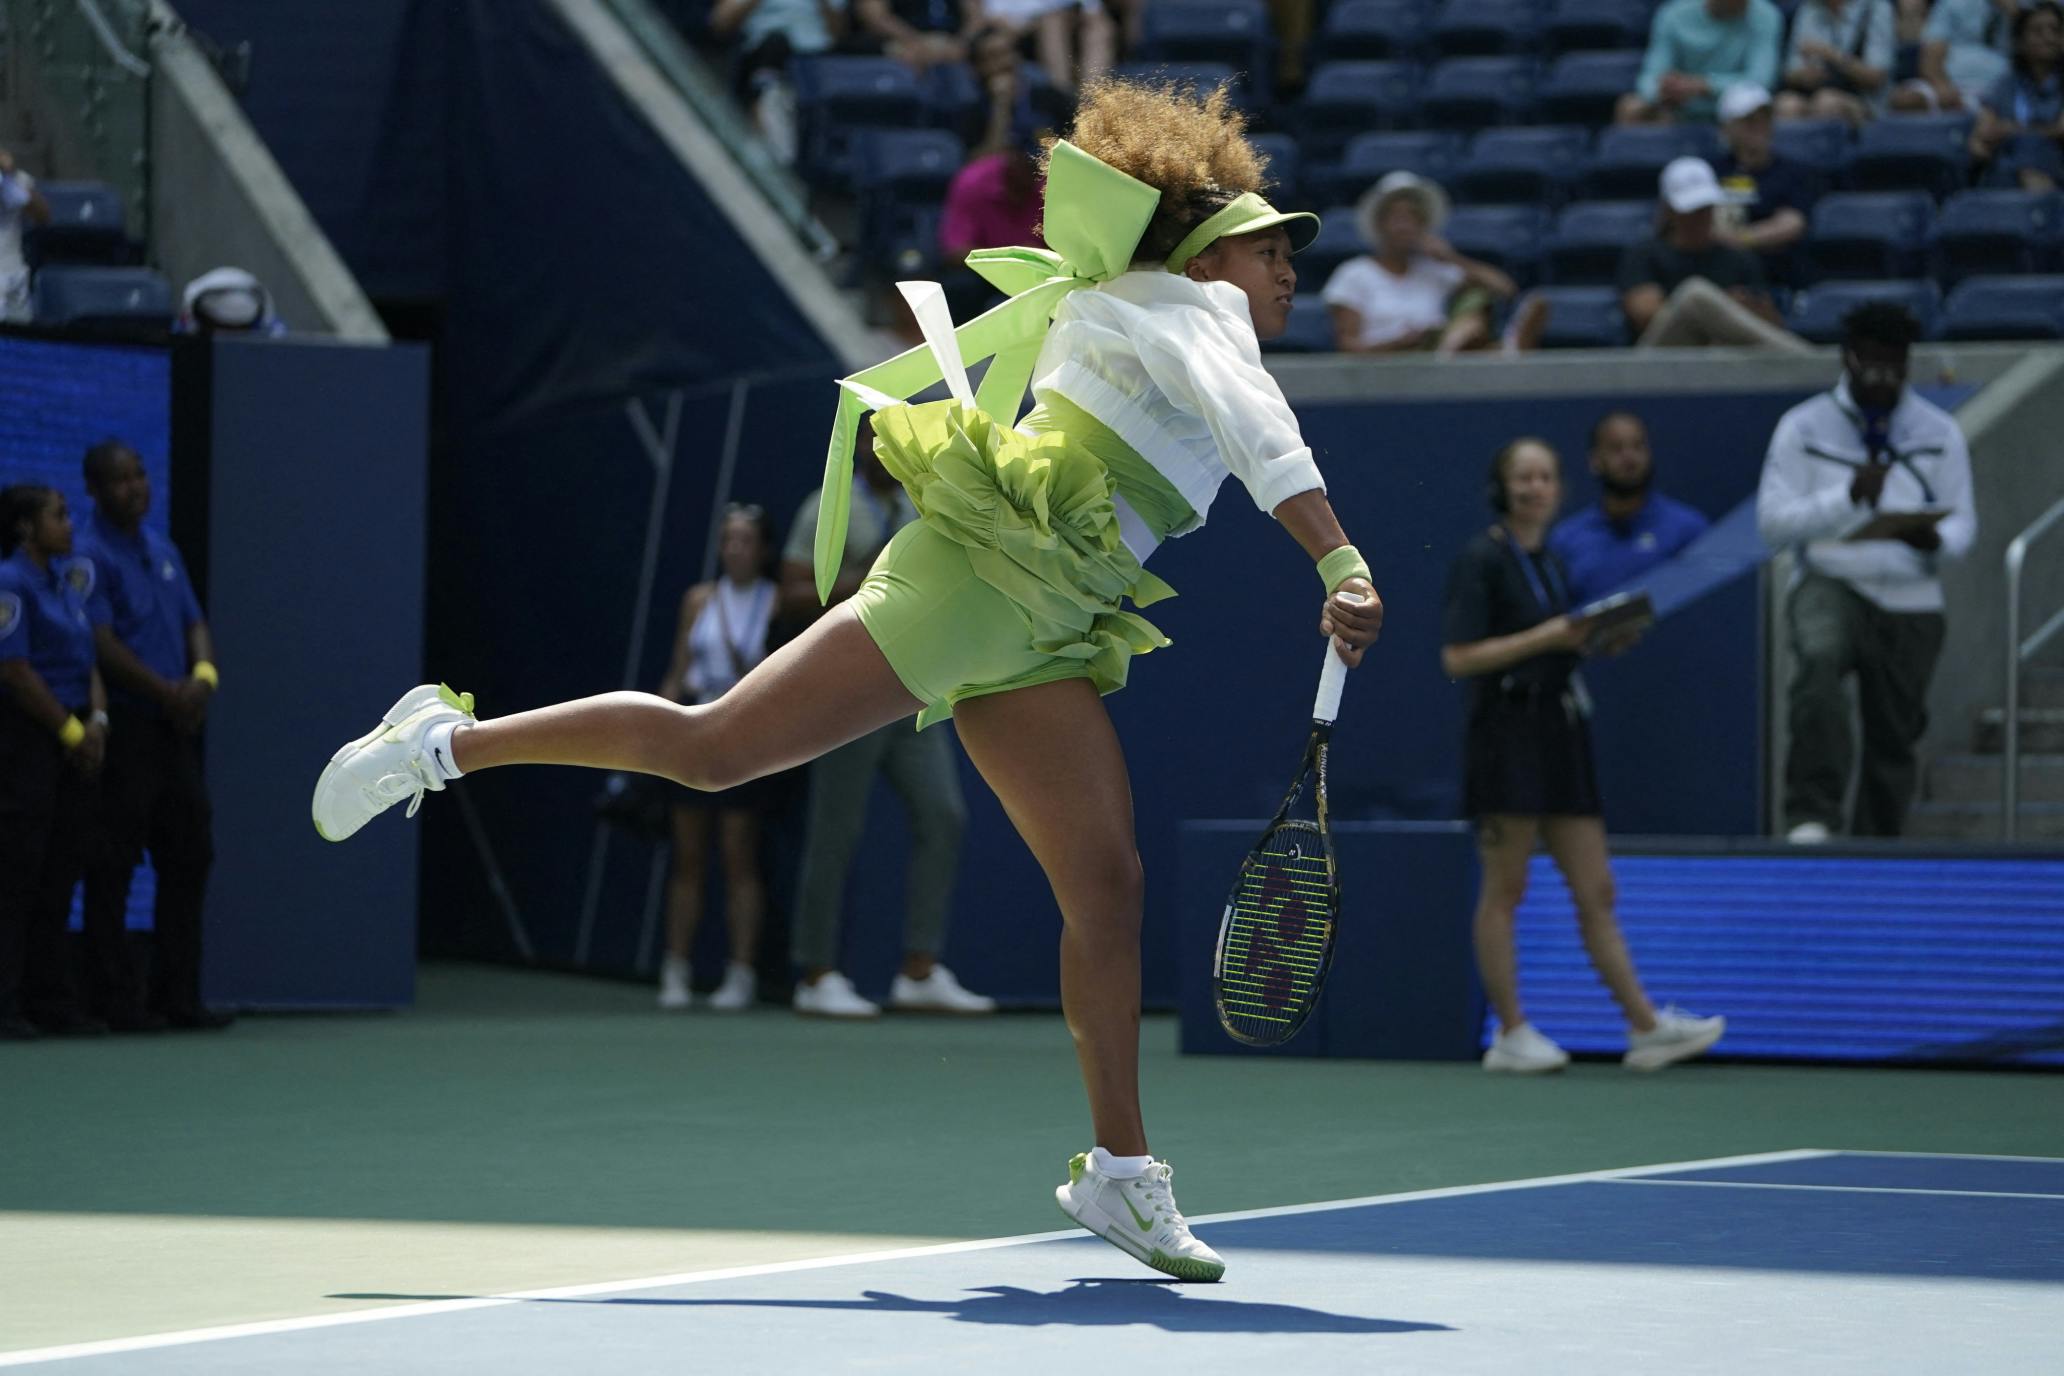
1977, 779
1981, 822
2042, 731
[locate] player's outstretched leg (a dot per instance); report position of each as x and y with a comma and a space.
1054, 762
822, 689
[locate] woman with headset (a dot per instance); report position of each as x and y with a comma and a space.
1509, 628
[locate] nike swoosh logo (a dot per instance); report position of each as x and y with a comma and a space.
1146, 1225
440, 756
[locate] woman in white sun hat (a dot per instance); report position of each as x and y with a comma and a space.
1412, 292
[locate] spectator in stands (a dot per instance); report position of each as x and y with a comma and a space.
1697, 49
20, 204
157, 658
1839, 64
920, 33
1686, 287
1412, 292
1768, 197
994, 199
53, 737
2020, 129
1074, 40
1964, 52
721, 635
1840, 466
919, 765
1633, 528
228, 301
769, 33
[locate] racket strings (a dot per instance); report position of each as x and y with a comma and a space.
1278, 933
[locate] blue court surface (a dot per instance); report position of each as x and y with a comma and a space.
1804, 1261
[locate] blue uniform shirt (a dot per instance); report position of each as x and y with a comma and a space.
144, 595
44, 620
1602, 554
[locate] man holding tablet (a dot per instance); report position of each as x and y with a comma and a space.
1870, 486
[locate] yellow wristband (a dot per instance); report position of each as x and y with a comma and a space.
205, 672
71, 733
1339, 565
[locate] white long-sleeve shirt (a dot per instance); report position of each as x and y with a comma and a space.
1803, 498
1173, 367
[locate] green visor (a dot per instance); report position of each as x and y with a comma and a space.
1248, 214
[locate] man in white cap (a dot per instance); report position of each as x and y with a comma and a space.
1769, 196
1685, 286
1412, 291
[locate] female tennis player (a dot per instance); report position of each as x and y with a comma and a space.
1001, 606
1508, 629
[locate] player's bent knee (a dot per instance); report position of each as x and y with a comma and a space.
1109, 890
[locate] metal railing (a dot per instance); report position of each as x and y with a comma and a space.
86, 57
2019, 652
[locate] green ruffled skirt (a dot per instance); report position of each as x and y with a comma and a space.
1014, 574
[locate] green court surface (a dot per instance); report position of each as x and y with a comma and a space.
516, 1131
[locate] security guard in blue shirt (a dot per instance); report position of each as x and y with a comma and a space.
1633, 528
53, 739
158, 659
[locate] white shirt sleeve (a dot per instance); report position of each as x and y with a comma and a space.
1959, 529
1349, 286
1800, 499
1207, 362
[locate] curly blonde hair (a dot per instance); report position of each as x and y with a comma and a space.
1188, 144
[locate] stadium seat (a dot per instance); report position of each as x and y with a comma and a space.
1234, 32
1590, 238
1285, 165
1928, 153
1348, 98
1998, 232
1482, 28
86, 226
1825, 145
1596, 25
1629, 159
837, 97
1870, 234
1339, 240
1432, 153
1510, 237
954, 99
89, 296
1584, 88
901, 174
1583, 318
1537, 164
2005, 308
1311, 328
1203, 75
1369, 29
1816, 313
1478, 92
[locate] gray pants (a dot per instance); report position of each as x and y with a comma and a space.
1837, 631
1699, 313
920, 767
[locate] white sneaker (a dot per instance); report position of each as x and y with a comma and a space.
1808, 834
674, 994
387, 764
938, 992
1523, 1050
833, 996
738, 992
1137, 1216
1678, 1036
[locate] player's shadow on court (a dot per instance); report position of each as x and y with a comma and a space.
1087, 1303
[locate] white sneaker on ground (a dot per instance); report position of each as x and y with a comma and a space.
1809, 834
1677, 1036
833, 996
674, 975
1137, 1216
738, 992
938, 992
1523, 1050
387, 764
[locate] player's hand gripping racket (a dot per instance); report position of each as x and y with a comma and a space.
1275, 941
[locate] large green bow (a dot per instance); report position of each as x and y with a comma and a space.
1094, 216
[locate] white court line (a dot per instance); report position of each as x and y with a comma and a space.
1842, 1189
145, 1342
1949, 1156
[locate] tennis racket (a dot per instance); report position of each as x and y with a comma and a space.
1275, 941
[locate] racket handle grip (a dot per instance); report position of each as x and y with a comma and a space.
1332, 678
